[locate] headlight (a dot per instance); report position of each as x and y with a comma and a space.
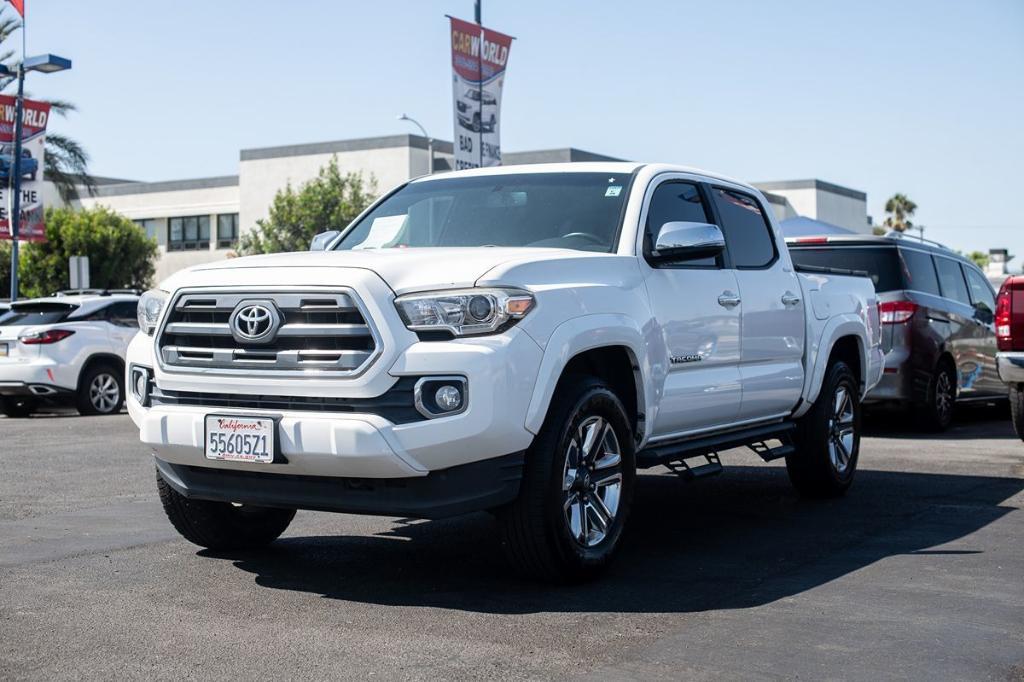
464, 312
150, 306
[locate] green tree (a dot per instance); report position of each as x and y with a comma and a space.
120, 254
330, 201
980, 259
899, 210
5, 269
66, 163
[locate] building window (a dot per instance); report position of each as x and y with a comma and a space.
188, 234
147, 224
227, 230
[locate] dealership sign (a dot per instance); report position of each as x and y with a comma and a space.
479, 57
33, 142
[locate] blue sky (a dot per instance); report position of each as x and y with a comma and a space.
921, 97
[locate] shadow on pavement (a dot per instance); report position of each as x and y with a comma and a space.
739, 540
977, 421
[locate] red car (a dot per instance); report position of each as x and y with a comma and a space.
1010, 339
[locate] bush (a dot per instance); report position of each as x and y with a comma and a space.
120, 254
330, 201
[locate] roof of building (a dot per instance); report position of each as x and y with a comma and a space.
165, 186
811, 184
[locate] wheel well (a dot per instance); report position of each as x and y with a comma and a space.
101, 359
847, 349
616, 366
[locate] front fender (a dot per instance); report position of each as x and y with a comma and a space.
576, 336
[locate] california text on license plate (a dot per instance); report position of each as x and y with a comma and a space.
240, 439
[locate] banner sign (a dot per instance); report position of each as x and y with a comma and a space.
479, 57
33, 141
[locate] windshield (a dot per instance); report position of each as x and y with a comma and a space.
35, 313
580, 211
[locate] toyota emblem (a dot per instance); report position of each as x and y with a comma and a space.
254, 322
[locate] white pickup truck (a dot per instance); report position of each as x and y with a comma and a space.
519, 340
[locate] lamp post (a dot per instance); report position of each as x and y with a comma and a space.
430, 141
44, 63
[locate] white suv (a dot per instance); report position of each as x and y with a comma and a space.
66, 350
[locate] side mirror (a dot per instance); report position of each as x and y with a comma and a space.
683, 241
321, 241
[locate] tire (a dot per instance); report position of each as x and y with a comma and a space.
1017, 408
565, 528
101, 390
936, 413
827, 438
17, 408
222, 525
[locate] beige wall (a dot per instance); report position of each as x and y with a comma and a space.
260, 179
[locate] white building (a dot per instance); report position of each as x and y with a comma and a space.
199, 220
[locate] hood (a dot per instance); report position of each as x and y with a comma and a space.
404, 270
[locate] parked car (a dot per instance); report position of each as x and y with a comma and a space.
524, 348
29, 165
938, 320
1010, 337
66, 350
474, 116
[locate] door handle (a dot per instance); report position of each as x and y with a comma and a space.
728, 300
789, 299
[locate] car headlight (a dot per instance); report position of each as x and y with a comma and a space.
464, 312
150, 306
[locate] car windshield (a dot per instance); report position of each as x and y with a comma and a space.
576, 210
36, 313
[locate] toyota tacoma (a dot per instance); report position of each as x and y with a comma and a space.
519, 340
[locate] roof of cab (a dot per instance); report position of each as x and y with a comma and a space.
618, 167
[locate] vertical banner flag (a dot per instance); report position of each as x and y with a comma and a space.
33, 141
479, 57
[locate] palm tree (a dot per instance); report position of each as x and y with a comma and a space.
899, 209
66, 162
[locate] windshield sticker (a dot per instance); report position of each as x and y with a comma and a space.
613, 191
383, 231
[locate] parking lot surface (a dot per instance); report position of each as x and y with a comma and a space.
918, 573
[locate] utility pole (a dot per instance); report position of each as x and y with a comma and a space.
15, 217
478, 12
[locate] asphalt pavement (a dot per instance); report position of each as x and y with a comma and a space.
918, 573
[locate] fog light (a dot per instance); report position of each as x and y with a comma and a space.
448, 398
442, 396
140, 379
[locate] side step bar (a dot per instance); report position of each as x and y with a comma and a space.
675, 453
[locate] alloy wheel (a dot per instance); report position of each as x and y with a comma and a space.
841, 430
104, 393
943, 395
592, 481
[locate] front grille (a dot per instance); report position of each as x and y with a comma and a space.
396, 405
319, 331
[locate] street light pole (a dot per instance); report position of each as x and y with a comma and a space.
14, 220
430, 141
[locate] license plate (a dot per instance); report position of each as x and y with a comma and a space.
240, 439
3, 350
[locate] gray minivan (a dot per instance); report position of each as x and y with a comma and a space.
938, 319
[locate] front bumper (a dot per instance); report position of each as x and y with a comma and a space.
1011, 367
500, 372
466, 488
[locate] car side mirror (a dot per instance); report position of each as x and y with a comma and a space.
321, 241
683, 241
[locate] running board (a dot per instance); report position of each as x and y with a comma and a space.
755, 437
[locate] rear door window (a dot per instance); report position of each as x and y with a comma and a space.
36, 313
951, 280
919, 272
747, 234
881, 263
981, 293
